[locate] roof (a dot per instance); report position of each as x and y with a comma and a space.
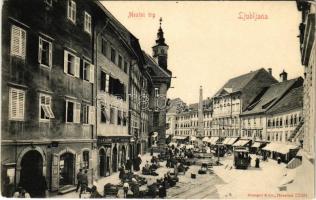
269, 97
155, 69
238, 83
291, 101
206, 104
175, 104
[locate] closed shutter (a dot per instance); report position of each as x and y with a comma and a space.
18, 41
55, 172
77, 66
91, 115
91, 78
40, 48
77, 108
65, 61
17, 102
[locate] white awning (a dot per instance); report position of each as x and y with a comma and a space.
279, 147
232, 141
226, 140
179, 137
172, 143
241, 143
213, 140
256, 144
190, 146
205, 139
193, 138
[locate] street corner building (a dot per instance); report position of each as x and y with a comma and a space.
78, 92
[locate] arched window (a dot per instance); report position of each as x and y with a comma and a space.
85, 159
281, 120
286, 121
277, 122
295, 119
291, 120
273, 123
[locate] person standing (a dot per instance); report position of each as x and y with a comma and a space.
125, 188
21, 193
84, 183
79, 178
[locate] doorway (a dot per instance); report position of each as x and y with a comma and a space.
114, 159
102, 159
31, 175
67, 169
123, 159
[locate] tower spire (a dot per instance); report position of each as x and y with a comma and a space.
160, 37
160, 50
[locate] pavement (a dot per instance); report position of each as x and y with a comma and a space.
225, 182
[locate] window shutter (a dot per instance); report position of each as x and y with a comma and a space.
18, 41
65, 61
50, 54
102, 82
23, 43
77, 66
40, 47
13, 103
91, 114
21, 100
91, 78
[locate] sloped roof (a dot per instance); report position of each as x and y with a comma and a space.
206, 103
292, 100
174, 104
155, 69
238, 83
269, 97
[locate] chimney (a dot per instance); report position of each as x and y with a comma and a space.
283, 76
270, 71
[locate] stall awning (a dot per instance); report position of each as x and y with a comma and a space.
213, 140
179, 137
193, 138
190, 146
205, 139
241, 143
226, 140
279, 147
232, 141
256, 144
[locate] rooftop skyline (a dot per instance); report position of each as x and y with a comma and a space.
212, 42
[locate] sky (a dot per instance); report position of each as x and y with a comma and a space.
211, 42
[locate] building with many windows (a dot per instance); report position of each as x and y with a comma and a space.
233, 98
48, 108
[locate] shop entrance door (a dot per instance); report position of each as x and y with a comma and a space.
67, 169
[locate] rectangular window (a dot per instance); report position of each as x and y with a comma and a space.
71, 64
112, 115
124, 119
85, 114
87, 22
85, 159
125, 67
103, 114
16, 104
104, 47
87, 71
45, 53
120, 62
119, 117
113, 55
71, 11
18, 41
45, 111
73, 112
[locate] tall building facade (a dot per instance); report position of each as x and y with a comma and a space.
48, 107
161, 79
308, 49
233, 98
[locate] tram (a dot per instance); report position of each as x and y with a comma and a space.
241, 158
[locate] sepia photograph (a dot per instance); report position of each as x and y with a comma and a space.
158, 99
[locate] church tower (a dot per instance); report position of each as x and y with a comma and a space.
160, 50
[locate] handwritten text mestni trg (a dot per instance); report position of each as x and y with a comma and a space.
138, 15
